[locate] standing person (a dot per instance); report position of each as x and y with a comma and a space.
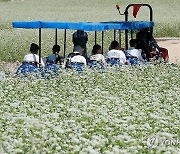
144, 38
33, 56
146, 41
116, 54
55, 57
132, 52
80, 38
97, 54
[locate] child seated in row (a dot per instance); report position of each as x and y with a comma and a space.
133, 52
77, 55
97, 54
115, 54
33, 57
55, 57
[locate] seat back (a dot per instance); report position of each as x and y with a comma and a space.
77, 66
51, 69
95, 64
27, 69
113, 62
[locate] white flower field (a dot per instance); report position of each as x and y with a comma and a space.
131, 109
116, 111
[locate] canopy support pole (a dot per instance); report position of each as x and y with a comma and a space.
56, 36
102, 42
95, 37
120, 38
39, 46
64, 43
126, 39
114, 34
131, 34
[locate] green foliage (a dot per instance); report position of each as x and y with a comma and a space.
167, 29
4, 0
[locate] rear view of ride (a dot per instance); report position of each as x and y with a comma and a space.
147, 43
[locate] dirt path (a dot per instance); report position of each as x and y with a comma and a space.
173, 46
9, 67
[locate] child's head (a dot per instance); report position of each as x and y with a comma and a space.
96, 49
133, 42
114, 45
34, 48
56, 49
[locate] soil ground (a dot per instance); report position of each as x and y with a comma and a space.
173, 46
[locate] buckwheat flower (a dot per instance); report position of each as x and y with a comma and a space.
2, 76
1, 94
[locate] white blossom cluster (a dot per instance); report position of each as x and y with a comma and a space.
92, 112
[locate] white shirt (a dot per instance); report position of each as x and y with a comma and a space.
33, 58
119, 54
78, 59
98, 57
132, 52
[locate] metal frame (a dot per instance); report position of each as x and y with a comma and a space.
39, 45
126, 32
126, 19
65, 34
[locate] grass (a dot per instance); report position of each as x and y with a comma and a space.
167, 29
12, 40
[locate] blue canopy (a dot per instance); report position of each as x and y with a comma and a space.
87, 26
